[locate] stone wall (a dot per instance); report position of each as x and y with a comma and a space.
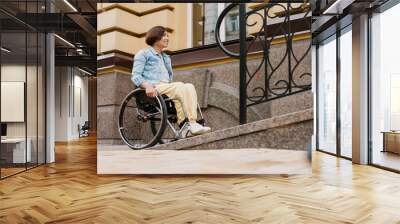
217, 86
111, 90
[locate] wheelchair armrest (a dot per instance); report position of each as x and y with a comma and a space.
166, 98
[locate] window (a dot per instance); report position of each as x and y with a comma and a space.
204, 20
205, 17
327, 95
335, 94
198, 21
346, 74
211, 16
385, 89
232, 24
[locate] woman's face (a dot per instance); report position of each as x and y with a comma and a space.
163, 43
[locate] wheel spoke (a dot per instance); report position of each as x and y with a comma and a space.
133, 128
153, 114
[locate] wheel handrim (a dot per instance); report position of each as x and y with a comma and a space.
132, 123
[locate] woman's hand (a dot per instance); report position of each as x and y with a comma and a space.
151, 91
149, 88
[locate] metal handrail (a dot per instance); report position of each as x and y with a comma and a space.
217, 31
275, 85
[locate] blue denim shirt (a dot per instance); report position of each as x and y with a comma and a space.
146, 66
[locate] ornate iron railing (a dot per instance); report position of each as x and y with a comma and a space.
273, 22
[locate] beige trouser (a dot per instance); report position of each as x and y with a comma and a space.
184, 97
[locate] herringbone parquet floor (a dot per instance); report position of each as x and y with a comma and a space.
69, 191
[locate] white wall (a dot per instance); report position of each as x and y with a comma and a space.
17, 72
71, 93
12, 99
14, 72
80, 96
61, 103
33, 125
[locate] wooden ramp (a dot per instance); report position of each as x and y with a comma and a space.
220, 161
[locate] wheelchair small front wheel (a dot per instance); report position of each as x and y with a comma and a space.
135, 112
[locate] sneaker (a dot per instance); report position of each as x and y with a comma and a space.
206, 129
186, 131
197, 129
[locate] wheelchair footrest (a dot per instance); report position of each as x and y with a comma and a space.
201, 121
183, 122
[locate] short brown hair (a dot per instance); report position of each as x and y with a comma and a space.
154, 34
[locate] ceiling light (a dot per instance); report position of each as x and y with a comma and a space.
79, 51
5, 50
70, 5
86, 72
337, 7
65, 41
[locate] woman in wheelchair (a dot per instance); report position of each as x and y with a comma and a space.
152, 71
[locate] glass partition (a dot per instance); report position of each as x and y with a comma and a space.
13, 105
22, 88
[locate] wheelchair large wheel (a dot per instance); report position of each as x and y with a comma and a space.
169, 135
154, 125
136, 112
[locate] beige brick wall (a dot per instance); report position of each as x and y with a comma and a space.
122, 26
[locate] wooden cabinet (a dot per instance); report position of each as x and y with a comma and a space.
391, 142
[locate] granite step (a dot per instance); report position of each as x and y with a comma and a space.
289, 131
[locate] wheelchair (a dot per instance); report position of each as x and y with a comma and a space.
143, 120
84, 129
